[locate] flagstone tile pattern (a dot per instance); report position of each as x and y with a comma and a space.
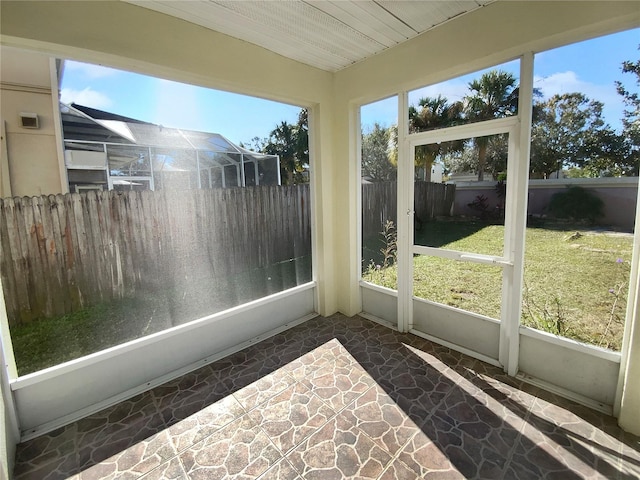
338, 398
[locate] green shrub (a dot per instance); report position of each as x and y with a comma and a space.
576, 203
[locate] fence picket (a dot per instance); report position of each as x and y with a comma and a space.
11, 259
379, 203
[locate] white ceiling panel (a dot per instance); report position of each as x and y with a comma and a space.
383, 16
359, 17
308, 26
422, 19
329, 35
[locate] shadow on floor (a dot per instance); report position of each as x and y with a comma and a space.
339, 397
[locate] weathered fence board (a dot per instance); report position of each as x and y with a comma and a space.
59, 253
379, 203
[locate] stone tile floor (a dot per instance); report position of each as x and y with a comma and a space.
339, 398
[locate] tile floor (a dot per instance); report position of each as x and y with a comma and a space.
338, 398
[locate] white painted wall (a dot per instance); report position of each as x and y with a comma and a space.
380, 303
584, 370
437, 171
5, 180
627, 406
618, 194
629, 416
475, 333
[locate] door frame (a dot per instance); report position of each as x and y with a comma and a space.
407, 249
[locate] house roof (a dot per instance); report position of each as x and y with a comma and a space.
325, 34
77, 125
90, 124
102, 115
85, 124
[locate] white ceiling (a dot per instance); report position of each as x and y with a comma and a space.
329, 35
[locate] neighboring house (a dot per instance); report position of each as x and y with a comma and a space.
437, 172
103, 151
31, 157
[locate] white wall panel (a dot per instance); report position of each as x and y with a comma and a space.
586, 371
380, 304
472, 332
61, 394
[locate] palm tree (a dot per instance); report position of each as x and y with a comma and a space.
282, 142
434, 112
493, 95
302, 139
291, 143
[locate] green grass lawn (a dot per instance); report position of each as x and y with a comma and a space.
51, 341
575, 287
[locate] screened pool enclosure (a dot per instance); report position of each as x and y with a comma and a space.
107, 151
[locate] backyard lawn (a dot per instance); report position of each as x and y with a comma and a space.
576, 280
51, 341
575, 285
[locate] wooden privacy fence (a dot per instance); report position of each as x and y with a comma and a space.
379, 203
59, 253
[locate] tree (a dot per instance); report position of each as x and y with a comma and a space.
302, 139
376, 164
493, 95
282, 143
466, 160
569, 131
291, 143
434, 112
392, 148
256, 144
631, 120
610, 155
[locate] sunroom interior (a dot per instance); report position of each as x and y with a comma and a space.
135, 36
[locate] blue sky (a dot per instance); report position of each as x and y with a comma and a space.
590, 67
173, 104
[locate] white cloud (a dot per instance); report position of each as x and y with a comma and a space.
86, 97
569, 82
562, 82
452, 90
90, 71
178, 105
